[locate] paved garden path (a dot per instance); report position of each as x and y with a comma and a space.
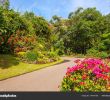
47, 79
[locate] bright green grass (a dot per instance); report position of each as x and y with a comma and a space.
10, 66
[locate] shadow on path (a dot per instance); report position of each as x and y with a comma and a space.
64, 61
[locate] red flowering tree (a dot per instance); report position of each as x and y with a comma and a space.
11, 23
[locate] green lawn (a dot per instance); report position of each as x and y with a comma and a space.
10, 66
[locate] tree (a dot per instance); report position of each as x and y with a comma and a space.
83, 31
104, 44
11, 23
5, 4
40, 25
59, 31
72, 14
107, 23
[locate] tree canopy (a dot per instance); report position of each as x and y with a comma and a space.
84, 29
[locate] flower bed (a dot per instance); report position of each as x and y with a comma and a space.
88, 75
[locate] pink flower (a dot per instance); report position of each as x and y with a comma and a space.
97, 70
97, 66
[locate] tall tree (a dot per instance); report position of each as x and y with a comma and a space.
5, 4
85, 29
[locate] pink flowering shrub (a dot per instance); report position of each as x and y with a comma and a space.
88, 75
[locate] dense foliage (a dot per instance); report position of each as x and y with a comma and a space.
28, 36
86, 31
89, 75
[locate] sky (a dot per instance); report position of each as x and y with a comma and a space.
48, 8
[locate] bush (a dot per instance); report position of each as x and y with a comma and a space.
6, 49
102, 46
21, 54
89, 75
31, 56
43, 60
93, 52
103, 55
53, 55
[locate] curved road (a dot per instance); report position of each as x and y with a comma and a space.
47, 79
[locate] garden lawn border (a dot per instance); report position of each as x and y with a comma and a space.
31, 70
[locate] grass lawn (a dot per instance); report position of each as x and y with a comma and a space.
10, 66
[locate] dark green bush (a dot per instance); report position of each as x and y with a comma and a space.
102, 47
5, 49
31, 56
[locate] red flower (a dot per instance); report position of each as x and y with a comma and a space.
68, 74
105, 77
74, 79
84, 76
81, 83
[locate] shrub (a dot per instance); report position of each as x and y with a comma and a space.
41, 55
93, 52
103, 55
52, 54
102, 46
6, 49
31, 56
20, 54
89, 75
43, 60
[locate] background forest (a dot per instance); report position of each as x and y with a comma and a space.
34, 39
